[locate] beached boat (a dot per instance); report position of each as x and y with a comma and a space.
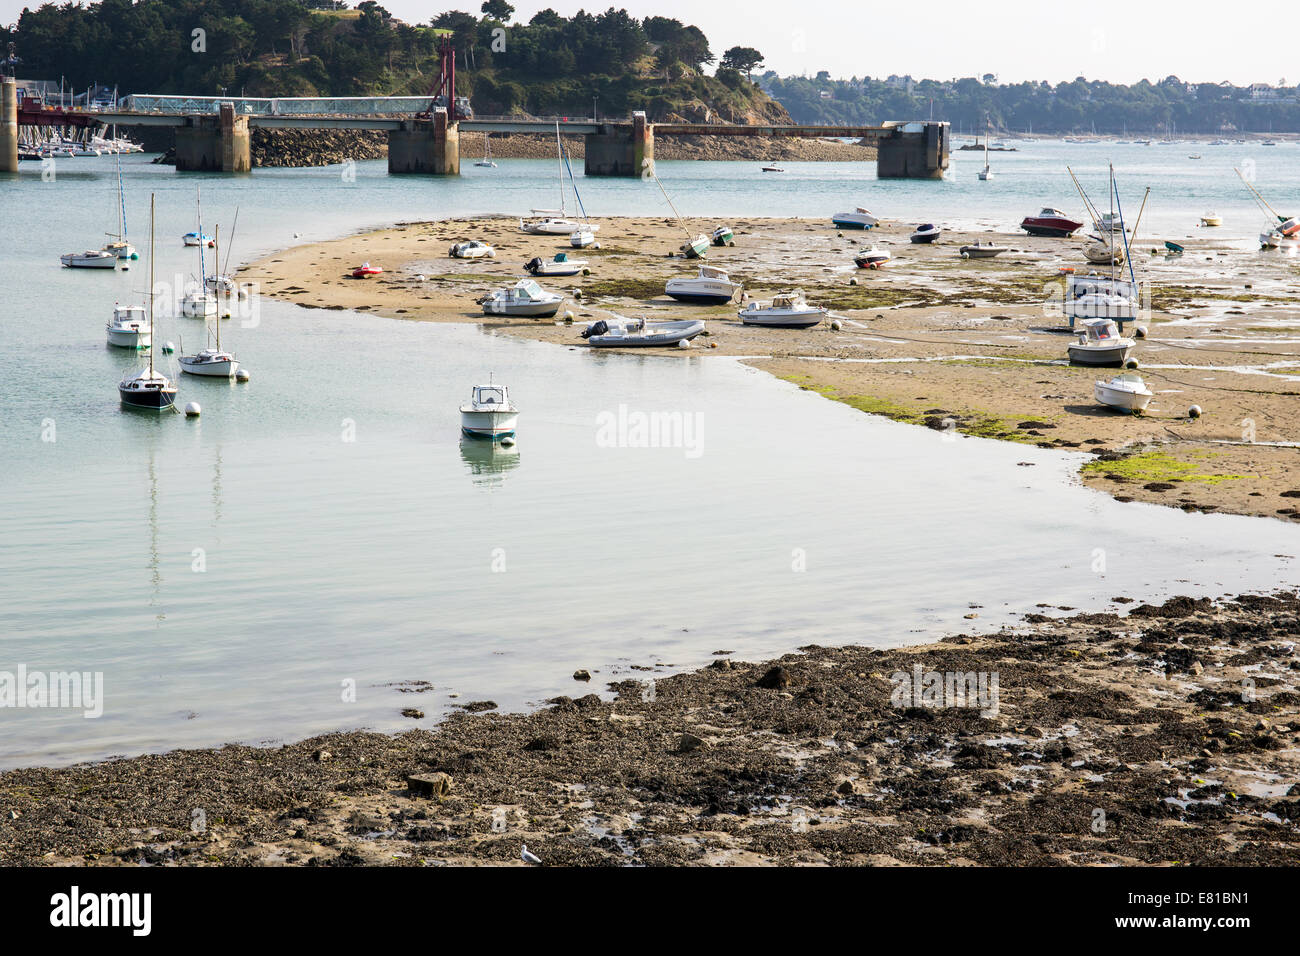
550, 226
1050, 222
1109, 222
213, 362
786, 311
1271, 239
925, 233
583, 237
561, 265
472, 249
1126, 392
128, 328
724, 236
525, 298
90, 259
148, 388
618, 332
981, 250
557, 222
1211, 219
1173, 248
872, 258
710, 286
860, 218
1096, 296
1100, 252
367, 271
489, 413
696, 247
1100, 343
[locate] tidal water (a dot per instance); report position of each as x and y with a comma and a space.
323, 527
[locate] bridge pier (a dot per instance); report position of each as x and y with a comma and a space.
214, 143
8, 126
614, 151
428, 146
913, 151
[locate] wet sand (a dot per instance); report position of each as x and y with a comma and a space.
1163, 736
933, 340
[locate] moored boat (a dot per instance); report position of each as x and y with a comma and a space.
926, 233
1211, 219
149, 388
1100, 343
90, 259
981, 250
860, 218
525, 298
1050, 222
724, 236
472, 249
622, 333
367, 271
710, 287
561, 265
1126, 392
128, 328
788, 310
489, 413
872, 258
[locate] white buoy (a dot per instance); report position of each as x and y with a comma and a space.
242, 375
853, 281
568, 316
965, 255
1139, 332
1131, 363
1194, 411
836, 324
683, 343
577, 293
508, 441
192, 410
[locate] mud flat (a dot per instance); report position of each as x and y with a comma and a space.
934, 340
1167, 735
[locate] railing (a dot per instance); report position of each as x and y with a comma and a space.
280, 105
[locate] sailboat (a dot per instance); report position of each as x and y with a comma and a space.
199, 304
1093, 296
1272, 236
585, 234
986, 173
487, 153
119, 246
553, 224
695, 247
223, 281
211, 361
149, 388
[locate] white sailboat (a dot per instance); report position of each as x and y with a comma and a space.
211, 361
555, 222
118, 246
199, 303
487, 154
986, 173
149, 388
695, 247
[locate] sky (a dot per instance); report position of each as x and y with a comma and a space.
1118, 40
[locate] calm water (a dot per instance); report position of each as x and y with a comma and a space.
346, 534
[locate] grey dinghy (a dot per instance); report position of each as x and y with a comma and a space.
621, 333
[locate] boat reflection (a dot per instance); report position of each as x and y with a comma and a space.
488, 461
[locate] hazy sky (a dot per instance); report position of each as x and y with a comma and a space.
1117, 40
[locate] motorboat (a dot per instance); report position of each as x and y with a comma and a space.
860, 218
121, 248
1100, 343
197, 239
925, 233
1211, 219
696, 248
128, 328
489, 413
1270, 239
1050, 222
1126, 392
1110, 222
198, 304
366, 271
524, 298
981, 250
1096, 296
724, 236
561, 265
709, 287
148, 388
872, 258
622, 333
90, 259
472, 249
788, 310
773, 168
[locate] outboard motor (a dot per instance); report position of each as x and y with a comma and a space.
534, 265
599, 327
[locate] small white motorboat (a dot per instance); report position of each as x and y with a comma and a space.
858, 219
925, 233
785, 311
1211, 219
90, 259
583, 237
197, 239
773, 168
1096, 296
1110, 222
1126, 392
561, 265
198, 304
981, 250
724, 236
709, 287
129, 328
1270, 239
489, 413
1100, 343
525, 298
622, 333
472, 249
873, 258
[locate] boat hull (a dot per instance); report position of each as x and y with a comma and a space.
490, 426
852, 222
1052, 228
80, 262
1111, 356
806, 321
528, 310
1121, 399
222, 368
154, 399
128, 339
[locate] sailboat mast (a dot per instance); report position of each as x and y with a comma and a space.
121, 201
559, 168
216, 255
198, 205
151, 204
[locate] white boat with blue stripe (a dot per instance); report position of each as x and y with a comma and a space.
489, 414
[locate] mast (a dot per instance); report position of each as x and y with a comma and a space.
198, 204
1110, 225
121, 202
216, 255
151, 202
559, 167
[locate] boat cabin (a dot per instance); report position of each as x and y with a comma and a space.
489, 395
1098, 332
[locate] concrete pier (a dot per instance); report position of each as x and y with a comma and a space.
8, 126
214, 143
913, 151
430, 147
620, 151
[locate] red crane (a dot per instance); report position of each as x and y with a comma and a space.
444, 93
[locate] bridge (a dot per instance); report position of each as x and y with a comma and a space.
213, 133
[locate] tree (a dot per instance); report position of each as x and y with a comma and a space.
744, 59
498, 10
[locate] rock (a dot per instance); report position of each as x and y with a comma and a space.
1196, 668
688, 742
429, 785
722, 664
846, 788
321, 756
777, 678
581, 674
413, 713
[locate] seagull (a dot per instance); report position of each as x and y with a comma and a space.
528, 857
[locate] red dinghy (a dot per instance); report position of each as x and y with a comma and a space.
366, 270
1050, 222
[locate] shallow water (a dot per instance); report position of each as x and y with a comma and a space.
405, 555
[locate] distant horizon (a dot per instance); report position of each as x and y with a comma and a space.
1023, 41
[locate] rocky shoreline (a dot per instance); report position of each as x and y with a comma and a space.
1169, 735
